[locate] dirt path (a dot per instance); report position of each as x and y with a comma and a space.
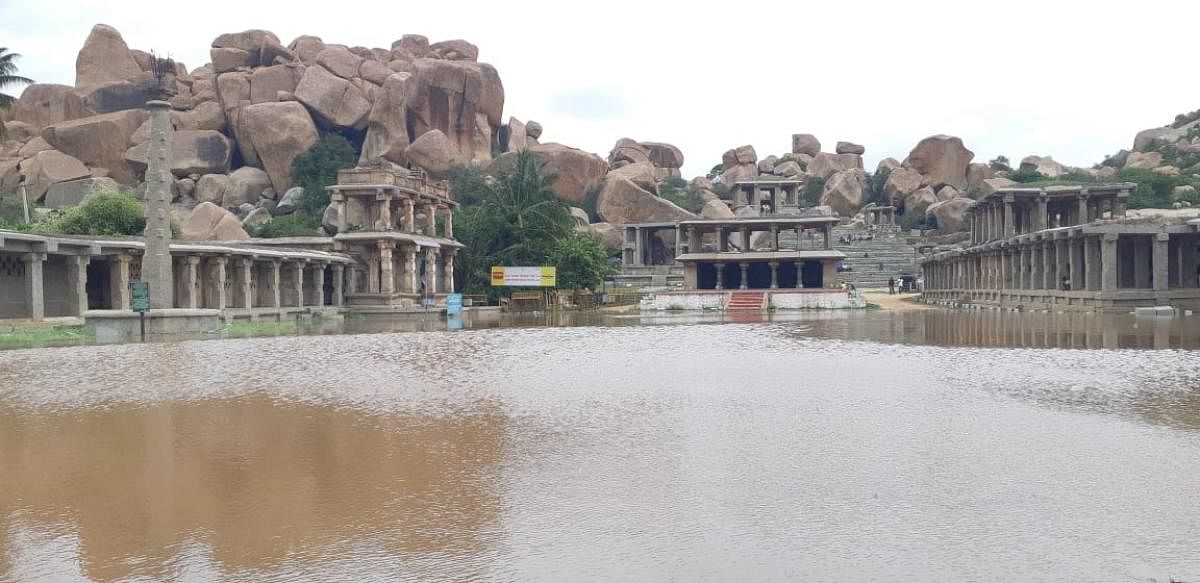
898, 302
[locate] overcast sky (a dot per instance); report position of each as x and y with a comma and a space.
1072, 80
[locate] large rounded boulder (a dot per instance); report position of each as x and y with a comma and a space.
942, 160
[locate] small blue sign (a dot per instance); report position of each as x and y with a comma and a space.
454, 303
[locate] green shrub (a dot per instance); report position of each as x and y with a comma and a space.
1153, 189
467, 183
293, 225
1024, 175
581, 262
791, 158
877, 195
812, 192
104, 213
1000, 163
676, 190
908, 221
12, 212
317, 168
721, 189
715, 172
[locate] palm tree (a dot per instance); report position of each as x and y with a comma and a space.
9, 77
517, 221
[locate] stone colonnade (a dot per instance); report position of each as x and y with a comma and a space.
1011, 212
828, 272
408, 268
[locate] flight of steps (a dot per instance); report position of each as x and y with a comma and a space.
745, 301
892, 250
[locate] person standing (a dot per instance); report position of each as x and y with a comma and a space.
891, 286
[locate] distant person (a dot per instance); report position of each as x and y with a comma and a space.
1066, 283
891, 286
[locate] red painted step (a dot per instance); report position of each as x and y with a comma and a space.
745, 301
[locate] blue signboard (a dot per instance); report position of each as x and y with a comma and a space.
454, 303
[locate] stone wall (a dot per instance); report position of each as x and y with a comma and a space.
779, 300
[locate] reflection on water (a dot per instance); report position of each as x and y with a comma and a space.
781, 448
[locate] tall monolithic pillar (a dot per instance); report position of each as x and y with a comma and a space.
319, 284
431, 276
118, 282
245, 289
218, 285
156, 263
387, 277
275, 283
339, 272
298, 283
190, 280
448, 271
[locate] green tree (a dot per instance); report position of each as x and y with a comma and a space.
581, 261
9, 78
317, 168
517, 221
1000, 163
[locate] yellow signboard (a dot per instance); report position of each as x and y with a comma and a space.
525, 276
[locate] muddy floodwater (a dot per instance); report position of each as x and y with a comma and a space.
908, 446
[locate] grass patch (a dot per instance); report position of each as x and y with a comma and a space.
36, 336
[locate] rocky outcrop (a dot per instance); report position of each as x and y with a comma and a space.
977, 173
940, 160
49, 167
434, 152
739, 164
920, 200
246, 185
43, 104
887, 165
1144, 160
824, 164
950, 214
621, 201
991, 185
387, 132
805, 144
278, 133
209, 222
577, 170
192, 152
641, 173
104, 58
73, 192
850, 148
211, 188
845, 191
664, 155
789, 169
609, 235
1045, 165
334, 101
99, 140
716, 209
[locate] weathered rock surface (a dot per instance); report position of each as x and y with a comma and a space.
991, 185
609, 235
334, 101
212, 187
289, 202
104, 58
805, 144
434, 152
716, 209
628, 151
941, 160
767, 165
99, 140
387, 133
824, 164
267, 82
977, 173
192, 152
950, 214
49, 167
621, 201
257, 218
514, 137
664, 155
1145, 160
447, 95
340, 61
533, 129
455, 50
1146, 140
246, 185
209, 222
641, 173
850, 148
1044, 165
920, 200
278, 132
887, 165
68, 194
845, 190
43, 104
577, 170
790, 169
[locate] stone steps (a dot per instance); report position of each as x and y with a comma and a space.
745, 301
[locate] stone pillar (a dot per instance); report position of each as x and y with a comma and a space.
1075, 260
1040, 221
298, 282
694, 245
191, 276
799, 275
720, 267
1023, 269
118, 281
383, 201
276, 284
722, 240
1082, 200
410, 269
745, 267
410, 212
1092, 263
219, 277
77, 299
157, 261
1062, 263
638, 248
448, 224
1118, 206
431, 221
678, 241
828, 273
1009, 222
247, 291
745, 239
35, 299
387, 276
339, 272
774, 274
431, 271
1108, 262
1161, 262
774, 237
448, 270
1187, 262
